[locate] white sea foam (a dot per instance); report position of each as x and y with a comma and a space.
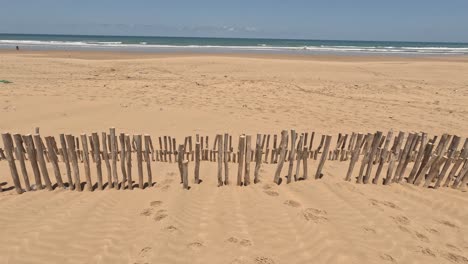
258, 47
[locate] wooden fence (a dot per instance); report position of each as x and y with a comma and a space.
413, 158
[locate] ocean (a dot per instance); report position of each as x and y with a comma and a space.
227, 45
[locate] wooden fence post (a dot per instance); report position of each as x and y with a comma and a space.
185, 173
97, 158
248, 158
105, 156
323, 158
367, 145
42, 164
20, 155
373, 150
197, 162
226, 159
284, 139
84, 142
72, 154
240, 167
383, 156
293, 153
128, 158
305, 156
418, 160
354, 156
8, 143
180, 159
123, 151
451, 152
30, 149
458, 163
220, 159
148, 160
258, 157
139, 153
299, 152
66, 160
113, 145
54, 160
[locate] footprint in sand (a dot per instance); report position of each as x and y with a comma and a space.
315, 215
384, 203
267, 187
232, 240
144, 255
292, 203
452, 247
422, 237
369, 229
160, 215
432, 230
455, 258
448, 223
388, 258
156, 203
242, 242
147, 211
271, 193
426, 251
403, 220
263, 260
195, 246
171, 229
245, 243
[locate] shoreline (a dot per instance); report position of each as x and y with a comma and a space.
113, 54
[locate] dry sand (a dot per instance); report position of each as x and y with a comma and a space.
324, 221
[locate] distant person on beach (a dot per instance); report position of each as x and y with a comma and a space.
17, 48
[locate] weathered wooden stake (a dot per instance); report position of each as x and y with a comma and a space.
180, 159
258, 157
373, 150
383, 156
139, 153
54, 160
450, 154
305, 156
323, 158
197, 162
418, 160
185, 173
128, 154
248, 158
105, 156
284, 140
226, 159
148, 160
72, 154
113, 145
66, 160
8, 144
240, 168
42, 164
123, 164
458, 163
84, 142
20, 154
293, 153
219, 139
97, 158
299, 151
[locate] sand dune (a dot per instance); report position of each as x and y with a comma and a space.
314, 221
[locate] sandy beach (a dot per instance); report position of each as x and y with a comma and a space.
314, 221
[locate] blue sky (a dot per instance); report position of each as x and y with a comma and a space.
411, 20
